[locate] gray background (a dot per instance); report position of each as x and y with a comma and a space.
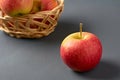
39, 59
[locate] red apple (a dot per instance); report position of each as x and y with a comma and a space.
81, 54
48, 4
16, 7
36, 6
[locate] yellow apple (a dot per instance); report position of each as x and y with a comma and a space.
36, 6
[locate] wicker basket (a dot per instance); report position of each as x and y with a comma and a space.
31, 25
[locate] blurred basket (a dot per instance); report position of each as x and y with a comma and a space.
32, 25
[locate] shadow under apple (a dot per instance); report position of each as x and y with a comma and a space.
105, 70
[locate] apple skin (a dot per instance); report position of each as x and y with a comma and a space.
16, 7
81, 55
36, 6
48, 4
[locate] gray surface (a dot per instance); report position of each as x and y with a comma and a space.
39, 59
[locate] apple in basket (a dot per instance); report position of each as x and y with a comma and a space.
16, 7
81, 51
36, 6
48, 4
43, 5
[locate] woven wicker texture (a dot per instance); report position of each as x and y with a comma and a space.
31, 25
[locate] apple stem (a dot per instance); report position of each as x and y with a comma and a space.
81, 24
